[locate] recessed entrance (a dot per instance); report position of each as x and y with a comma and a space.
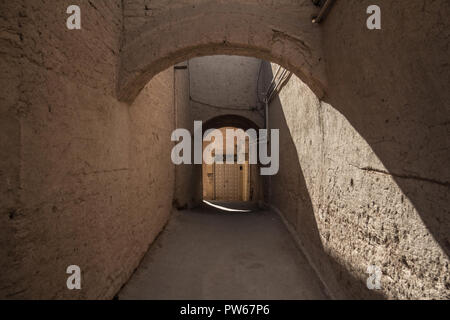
226, 181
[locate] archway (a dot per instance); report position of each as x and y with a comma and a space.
314, 214
216, 27
231, 182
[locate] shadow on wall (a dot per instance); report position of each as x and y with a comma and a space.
406, 152
298, 212
393, 89
364, 214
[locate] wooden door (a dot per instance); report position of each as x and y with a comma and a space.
227, 183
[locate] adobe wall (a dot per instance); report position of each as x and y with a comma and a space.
86, 180
372, 185
400, 77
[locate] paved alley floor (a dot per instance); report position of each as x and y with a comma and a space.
208, 253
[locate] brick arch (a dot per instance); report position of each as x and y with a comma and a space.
230, 28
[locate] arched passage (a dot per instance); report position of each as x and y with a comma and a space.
373, 163
217, 181
216, 27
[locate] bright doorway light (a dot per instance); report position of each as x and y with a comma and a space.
225, 208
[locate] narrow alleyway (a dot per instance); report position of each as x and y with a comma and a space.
339, 120
211, 253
